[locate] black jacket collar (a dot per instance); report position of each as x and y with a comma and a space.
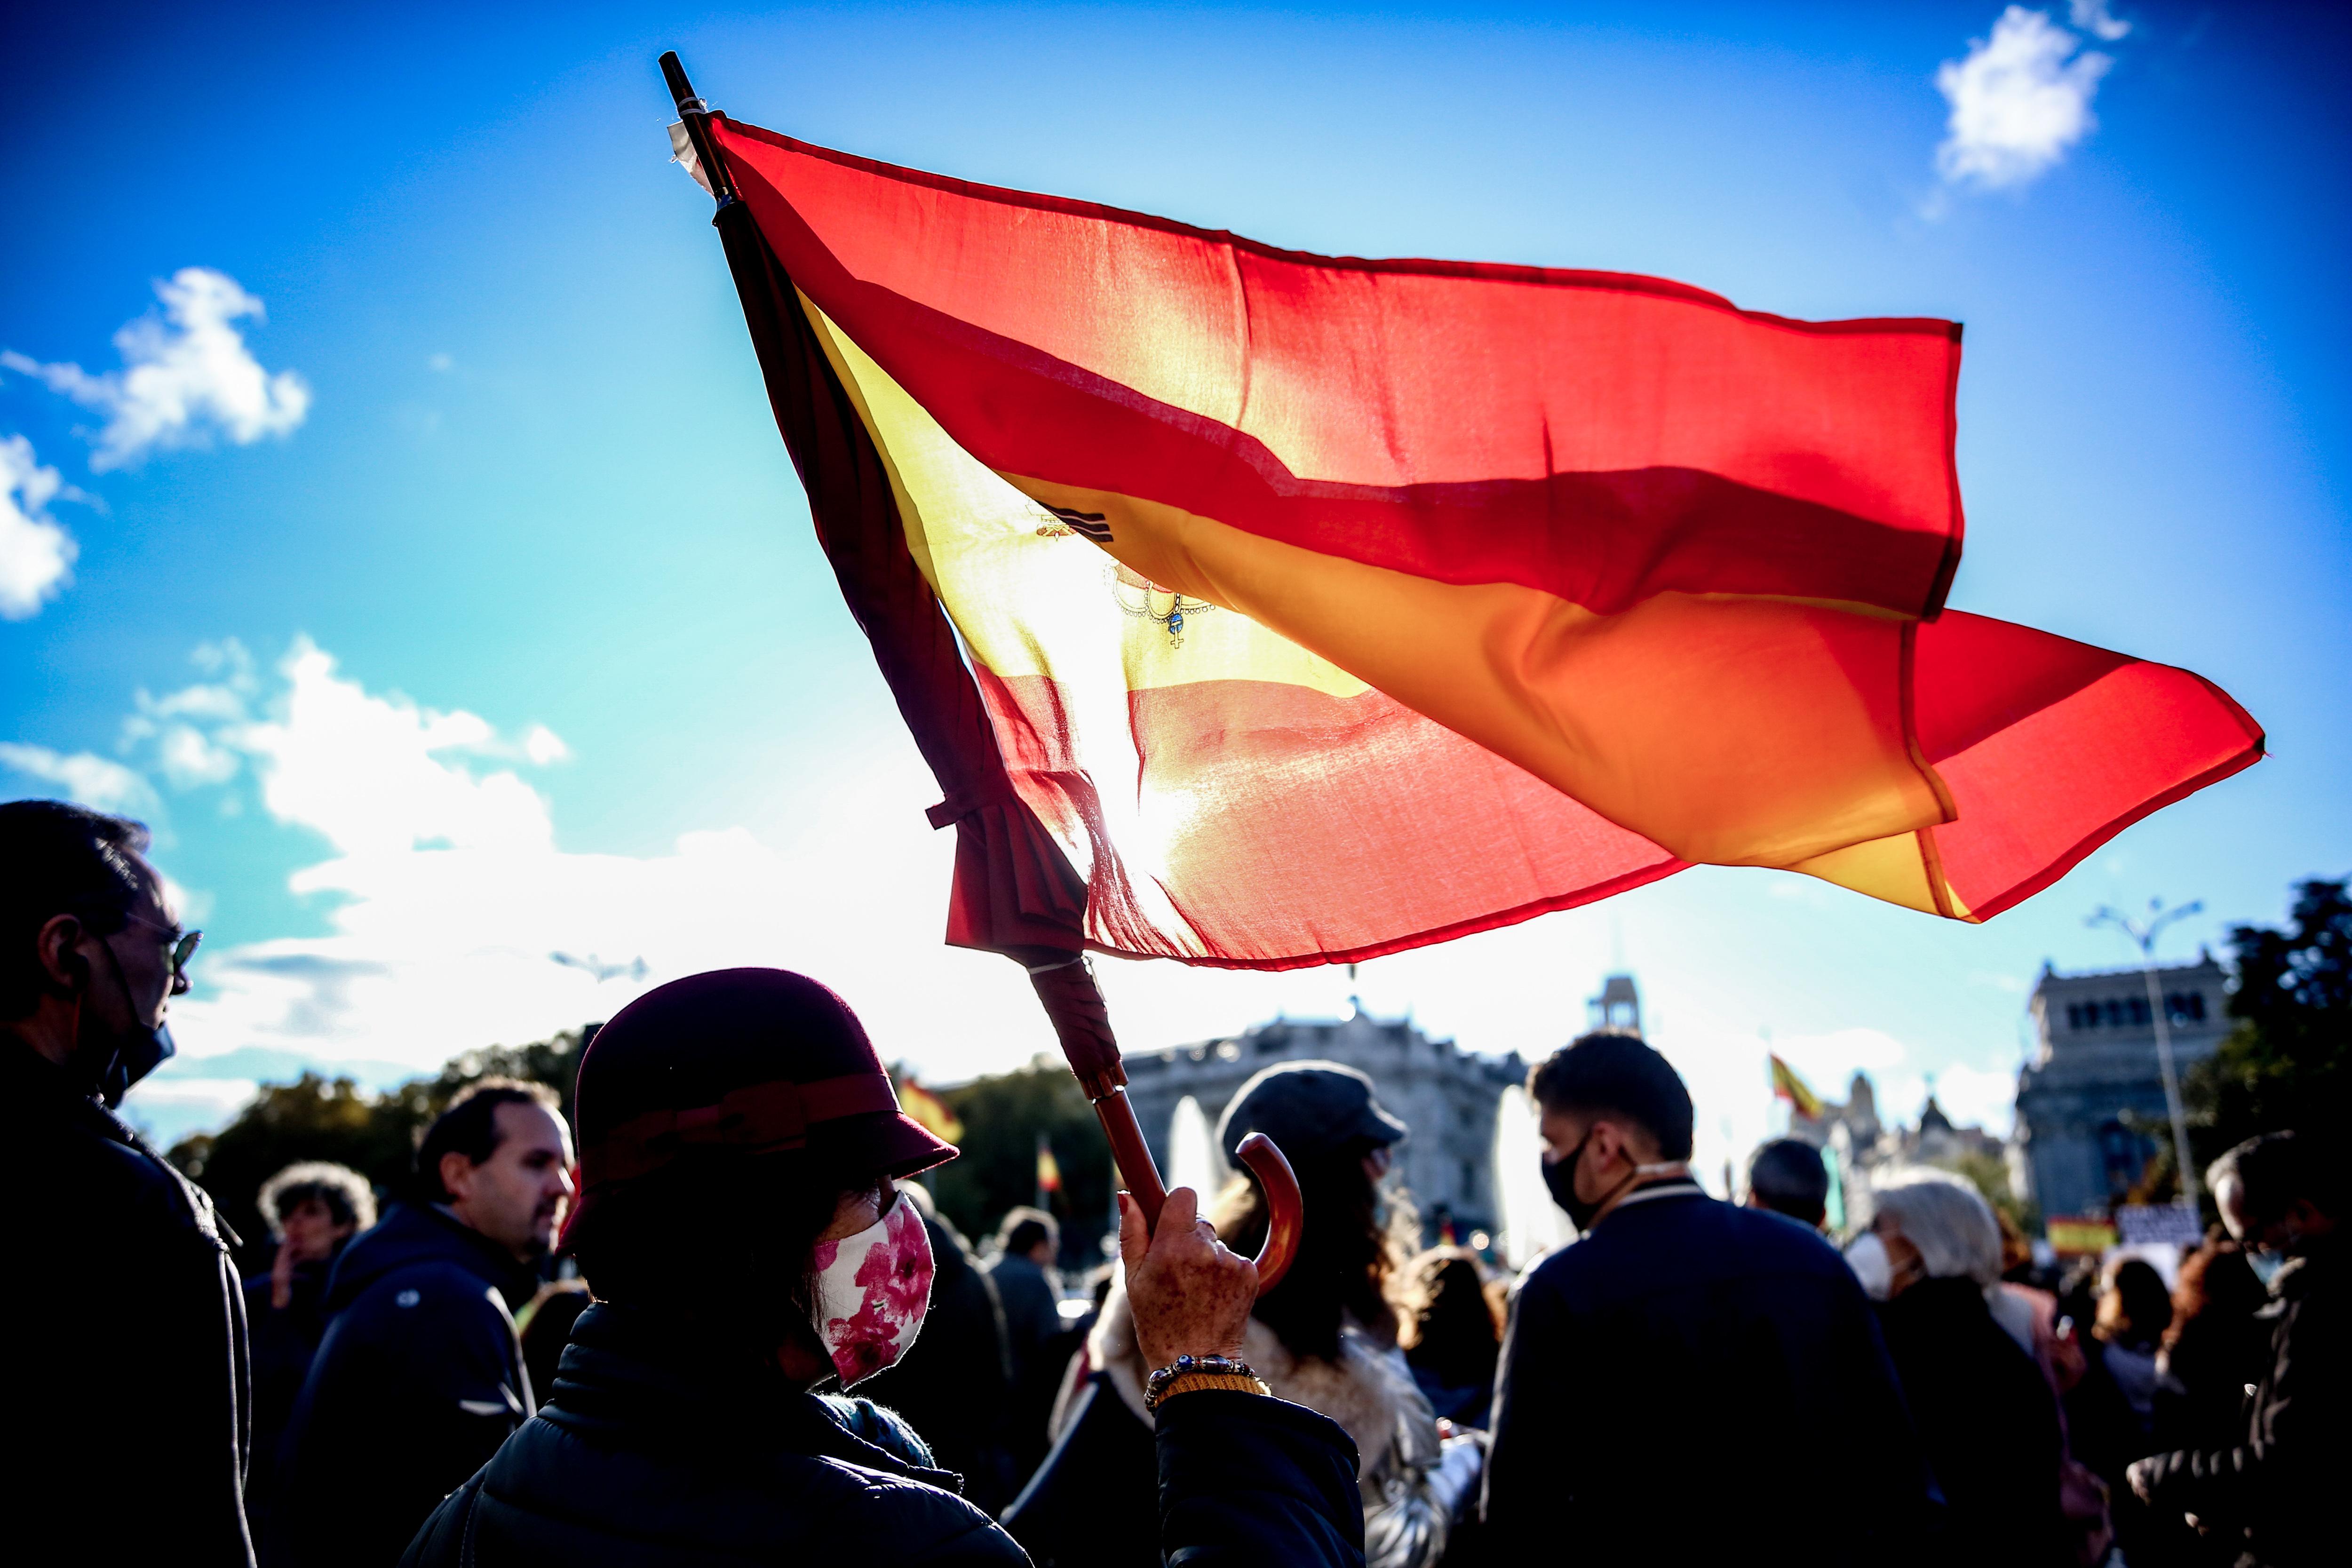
414, 1234
36, 1088
38, 1097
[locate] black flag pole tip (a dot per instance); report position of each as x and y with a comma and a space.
696, 114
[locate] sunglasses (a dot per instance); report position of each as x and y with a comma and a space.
183, 947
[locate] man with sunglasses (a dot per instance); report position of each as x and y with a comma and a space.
128, 1371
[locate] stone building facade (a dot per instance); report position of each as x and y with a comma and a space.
1446, 1095
2090, 1105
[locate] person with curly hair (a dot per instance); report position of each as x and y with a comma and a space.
312, 1208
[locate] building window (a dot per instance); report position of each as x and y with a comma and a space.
2074, 1015
2186, 1006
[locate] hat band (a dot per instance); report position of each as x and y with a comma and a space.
758, 1119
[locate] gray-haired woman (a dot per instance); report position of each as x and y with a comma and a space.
1986, 1416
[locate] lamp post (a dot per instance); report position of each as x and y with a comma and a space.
2143, 933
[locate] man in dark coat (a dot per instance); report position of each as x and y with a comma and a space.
127, 1376
2273, 1494
1674, 1380
420, 1375
741, 1150
1027, 1240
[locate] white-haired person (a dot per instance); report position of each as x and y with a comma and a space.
312, 1208
1985, 1413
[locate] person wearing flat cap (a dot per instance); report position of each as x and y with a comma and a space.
1325, 1337
739, 1219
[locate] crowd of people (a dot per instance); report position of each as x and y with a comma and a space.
715, 1317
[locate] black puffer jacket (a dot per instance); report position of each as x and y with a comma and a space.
127, 1376
2275, 1492
419, 1378
646, 1454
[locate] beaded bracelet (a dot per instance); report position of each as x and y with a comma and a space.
1158, 1387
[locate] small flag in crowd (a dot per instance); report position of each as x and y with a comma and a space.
1049, 1171
1788, 1086
929, 1109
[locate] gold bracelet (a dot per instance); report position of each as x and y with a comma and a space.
1184, 1383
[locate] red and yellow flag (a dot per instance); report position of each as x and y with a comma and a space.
1305, 609
1788, 1086
929, 1109
1049, 1171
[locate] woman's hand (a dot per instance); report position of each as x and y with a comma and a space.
281, 1276
1192, 1294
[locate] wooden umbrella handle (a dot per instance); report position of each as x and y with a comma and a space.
1082, 1024
1286, 1211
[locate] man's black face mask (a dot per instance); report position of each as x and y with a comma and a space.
1559, 1180
136, 1053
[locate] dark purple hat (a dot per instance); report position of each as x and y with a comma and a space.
751, 1060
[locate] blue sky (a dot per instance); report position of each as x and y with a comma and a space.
482, 620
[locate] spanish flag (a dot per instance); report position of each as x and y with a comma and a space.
1788, 1086
1049, 1171
1262, 609
929, 1109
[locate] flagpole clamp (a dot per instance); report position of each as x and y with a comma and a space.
697, 115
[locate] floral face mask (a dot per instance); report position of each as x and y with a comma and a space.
871, 1290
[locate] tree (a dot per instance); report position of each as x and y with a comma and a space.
1003, 1116
2286, 1063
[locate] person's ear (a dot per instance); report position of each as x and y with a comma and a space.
457, 1175
57, 944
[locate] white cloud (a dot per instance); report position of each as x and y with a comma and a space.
36, 554
368, 771
446, 893
2018, 101
2093, 18
189, 758
86, 777
544, 745
185, 754
184, 376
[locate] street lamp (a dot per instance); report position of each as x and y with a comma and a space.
2144, 933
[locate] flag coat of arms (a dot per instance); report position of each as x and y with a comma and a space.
1262, 609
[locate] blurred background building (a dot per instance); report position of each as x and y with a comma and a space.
2090, 1104
1446, 1094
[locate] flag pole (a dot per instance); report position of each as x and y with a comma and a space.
1081, 1019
